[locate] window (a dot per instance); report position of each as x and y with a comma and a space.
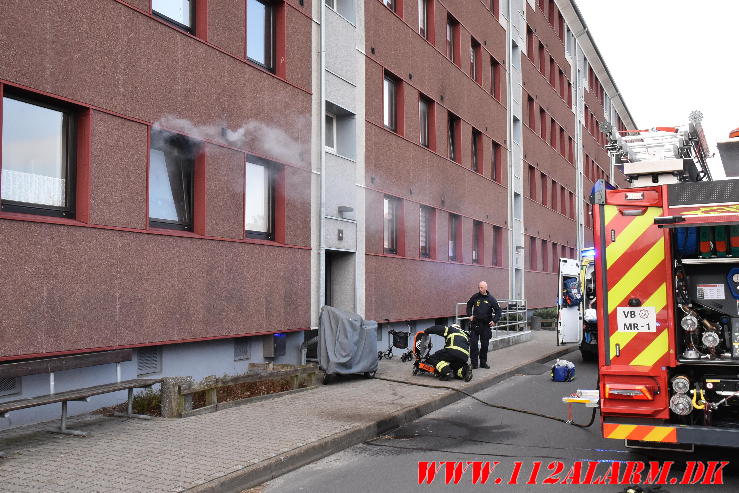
478, 240
496, 156
497, 246
260, 33
331, 132
562, 86
260, 199
475, 68
177, 12
476, 151
532, 182
543, 123
563, 200
543, 180
390, 103
423, 18
427, 226
544, 256
532, 253
452, 35
542, 59
495, 8
532, 113
495, 78
562, 148
530, 43
38, 156
453, 129
454, 236
426, 119
552, 133
391, 229
171, 180
569, 94
560, 26
552, 72
570, 150
553, 202
555, 259
389, 4
564, 251
331, 4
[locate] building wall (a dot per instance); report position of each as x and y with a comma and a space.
130, 71
405, 286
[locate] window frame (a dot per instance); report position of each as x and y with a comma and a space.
394, 205
388, 78
429, 127
189, 29
272, 171
455, 234
475, 60
495, 78
158, 223
478, 243
476, 151
271, 9
332, 117
429, 214
496, 172
453, 40
70, 152
453, 137
497, 252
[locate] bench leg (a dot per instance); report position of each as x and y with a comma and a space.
63, 425
129, 413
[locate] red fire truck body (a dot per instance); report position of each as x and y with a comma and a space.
667, 275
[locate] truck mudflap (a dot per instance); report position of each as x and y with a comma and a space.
695, 435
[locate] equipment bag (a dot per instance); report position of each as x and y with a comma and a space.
563, 371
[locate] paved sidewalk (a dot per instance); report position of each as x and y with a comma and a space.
242, 446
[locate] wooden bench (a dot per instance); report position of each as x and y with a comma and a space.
52, 365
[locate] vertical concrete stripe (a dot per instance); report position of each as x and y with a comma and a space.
630, 234
654, 351
636, 274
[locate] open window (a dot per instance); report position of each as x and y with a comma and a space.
171, 180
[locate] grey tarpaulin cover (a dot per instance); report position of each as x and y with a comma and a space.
346, 342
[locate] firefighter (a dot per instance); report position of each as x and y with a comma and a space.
484, 312
452, 360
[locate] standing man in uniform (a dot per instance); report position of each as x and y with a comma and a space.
484, 313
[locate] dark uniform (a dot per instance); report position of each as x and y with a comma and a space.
452, 359
485, 309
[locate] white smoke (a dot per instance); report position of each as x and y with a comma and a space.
254, 136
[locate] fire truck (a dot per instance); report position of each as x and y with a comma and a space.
667, 278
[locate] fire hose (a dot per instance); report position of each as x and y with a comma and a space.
496, 406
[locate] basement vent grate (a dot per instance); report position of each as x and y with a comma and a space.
704, 192
10, 385
242, 349
149, 360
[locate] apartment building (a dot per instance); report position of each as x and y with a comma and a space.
194, 179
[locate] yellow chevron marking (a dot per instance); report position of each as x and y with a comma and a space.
654, 351
622, 432
657, 434
630, 234
636, 274
610, 213
658, 300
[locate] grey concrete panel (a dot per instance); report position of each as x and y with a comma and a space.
348, 234
341, 49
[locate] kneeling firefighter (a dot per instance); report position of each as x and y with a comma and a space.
452, 360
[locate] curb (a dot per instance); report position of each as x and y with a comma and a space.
269, 469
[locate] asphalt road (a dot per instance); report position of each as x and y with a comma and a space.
471, 431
